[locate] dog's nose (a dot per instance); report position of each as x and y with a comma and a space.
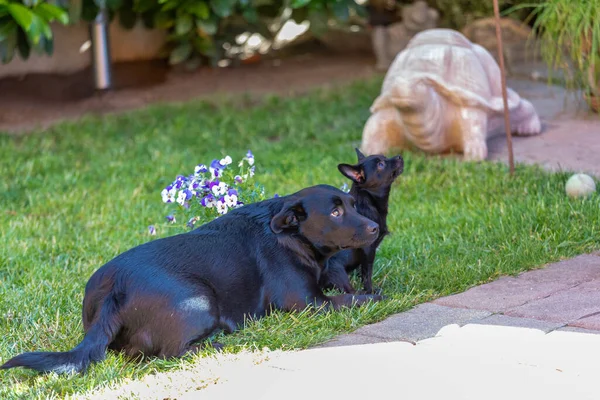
373, 228
399, 161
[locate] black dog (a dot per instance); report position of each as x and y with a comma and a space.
372, 180
163, 297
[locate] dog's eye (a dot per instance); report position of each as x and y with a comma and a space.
337, 212
380, 165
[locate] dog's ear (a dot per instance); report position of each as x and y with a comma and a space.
360, 155
288, 218
353, 172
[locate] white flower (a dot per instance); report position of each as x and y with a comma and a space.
220, 189
210, 202
251, 161
221, 207
226, 161
230, 200
168, 195
181, 197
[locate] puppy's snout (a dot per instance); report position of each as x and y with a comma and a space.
399, 161
373, 228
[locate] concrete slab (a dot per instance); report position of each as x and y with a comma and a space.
564, 307
424, 321
591, 322
468, 363
502, 294
505, 320
571, 272
351, 339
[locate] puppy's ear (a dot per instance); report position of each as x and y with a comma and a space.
353, 172
288, 218
360, 155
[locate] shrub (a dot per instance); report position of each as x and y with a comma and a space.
25, 25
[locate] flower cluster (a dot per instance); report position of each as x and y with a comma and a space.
213, 190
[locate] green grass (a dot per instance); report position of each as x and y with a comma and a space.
75, 196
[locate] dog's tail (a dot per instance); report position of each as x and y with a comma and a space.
91, 349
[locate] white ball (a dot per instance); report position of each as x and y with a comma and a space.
580, 185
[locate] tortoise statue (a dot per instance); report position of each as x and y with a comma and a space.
443, 93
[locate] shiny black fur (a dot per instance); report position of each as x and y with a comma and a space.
372, 180
163, 297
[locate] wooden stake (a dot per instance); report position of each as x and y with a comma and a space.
511, 162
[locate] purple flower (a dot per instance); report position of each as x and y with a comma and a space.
152, 230
186, 205
238, 179
211, 184
215, 168
208, 201
252, 171
200, 168
171, 219
276, 196
232, 192
179, 181
191, 222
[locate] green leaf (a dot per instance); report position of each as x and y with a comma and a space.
209, 27
361, 11
8, 41
23, 45
299, 3
183, 24
112, 4
170, 5
340, 10
22, 15
180, 53
163, 20
223, 8
45, 46
250, 15
198, 8
30, 3
51, 13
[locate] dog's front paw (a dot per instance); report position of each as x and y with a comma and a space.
375, 290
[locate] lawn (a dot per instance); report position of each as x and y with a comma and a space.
76, 195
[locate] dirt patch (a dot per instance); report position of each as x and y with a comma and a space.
38, 101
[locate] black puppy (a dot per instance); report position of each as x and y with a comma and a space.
161, 298
372, 180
